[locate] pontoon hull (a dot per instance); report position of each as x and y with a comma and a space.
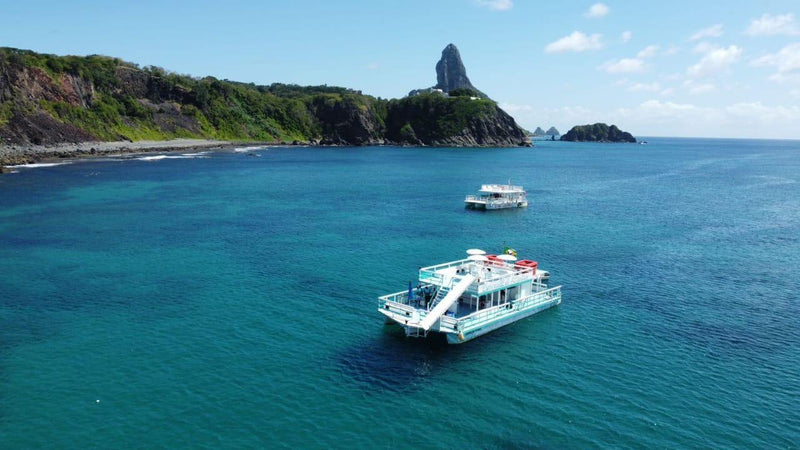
460, 338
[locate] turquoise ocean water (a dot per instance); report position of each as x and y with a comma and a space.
230, 300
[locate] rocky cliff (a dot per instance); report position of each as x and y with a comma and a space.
598, 132
460, 121
552, 131
48, 99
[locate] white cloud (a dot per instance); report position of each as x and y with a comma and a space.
659, 108
736, 120
647, 52
769, 25
645, 87
625, 36
496, 5
575, 42
666, 118
704, 47
786, 61
695, 88
624, 65
712, 31
715, 61
512, 108
597, 10
671, 50
764, 113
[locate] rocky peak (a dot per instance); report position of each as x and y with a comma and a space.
450, 71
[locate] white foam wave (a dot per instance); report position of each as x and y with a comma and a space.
181, 156
247, 149
37, 165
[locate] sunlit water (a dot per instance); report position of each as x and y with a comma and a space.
228, 299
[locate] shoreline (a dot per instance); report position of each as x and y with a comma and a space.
14, 155
21, 154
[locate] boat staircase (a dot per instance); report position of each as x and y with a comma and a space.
440, 295
459, 286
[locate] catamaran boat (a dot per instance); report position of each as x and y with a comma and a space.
470, 297
498, 196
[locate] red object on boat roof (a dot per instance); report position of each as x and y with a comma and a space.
495, 261
528, 264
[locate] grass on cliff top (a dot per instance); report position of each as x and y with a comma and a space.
127, 101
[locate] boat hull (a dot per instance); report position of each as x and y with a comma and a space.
469, 334
491, 206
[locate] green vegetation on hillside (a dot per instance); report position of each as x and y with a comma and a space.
433, 117
598, 132
48, 99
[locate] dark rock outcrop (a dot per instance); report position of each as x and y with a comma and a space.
538, 132
451, 73
552, 132
457, 122
39, 128
598, 132
346, 123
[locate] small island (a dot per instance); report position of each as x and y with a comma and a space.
598, 132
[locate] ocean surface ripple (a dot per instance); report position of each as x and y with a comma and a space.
215, 299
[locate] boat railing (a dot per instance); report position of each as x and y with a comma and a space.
397, 297
509, 197
486, 315
431, 274
492, 281
448, 323
475, 198
398, 303
501, 188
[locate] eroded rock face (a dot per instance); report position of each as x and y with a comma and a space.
450, 71
343, 123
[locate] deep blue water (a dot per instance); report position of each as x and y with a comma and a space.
230, 301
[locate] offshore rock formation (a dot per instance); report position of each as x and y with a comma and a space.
552, 132
538, 131
598, 132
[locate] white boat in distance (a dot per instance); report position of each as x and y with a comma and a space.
470, 297
498, 196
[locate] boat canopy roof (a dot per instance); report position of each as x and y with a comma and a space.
501, 189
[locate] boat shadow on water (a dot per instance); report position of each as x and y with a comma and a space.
392, 362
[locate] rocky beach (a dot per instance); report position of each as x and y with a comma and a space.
11, 155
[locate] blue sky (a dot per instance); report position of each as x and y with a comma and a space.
678, 68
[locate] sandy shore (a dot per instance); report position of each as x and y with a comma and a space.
26, 154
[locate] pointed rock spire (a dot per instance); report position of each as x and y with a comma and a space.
451, 73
